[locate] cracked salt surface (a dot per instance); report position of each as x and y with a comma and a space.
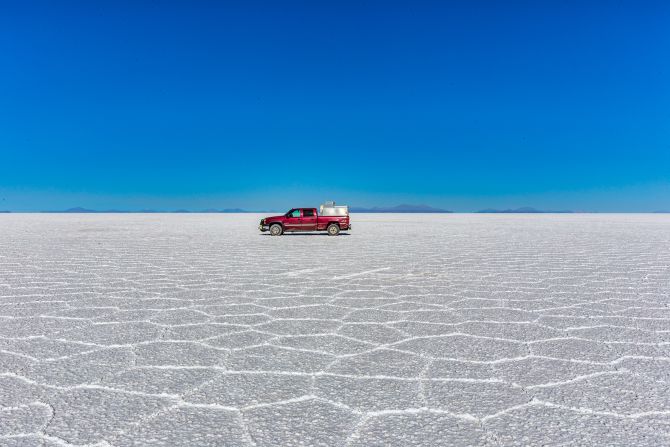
414, 330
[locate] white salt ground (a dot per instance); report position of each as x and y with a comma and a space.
413, 330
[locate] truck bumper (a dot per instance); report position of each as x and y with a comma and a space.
262, 227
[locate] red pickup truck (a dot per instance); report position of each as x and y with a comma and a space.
307, 219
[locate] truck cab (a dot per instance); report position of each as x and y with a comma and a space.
307, 219
300, 219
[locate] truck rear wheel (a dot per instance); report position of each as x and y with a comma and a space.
333, 229
276, 230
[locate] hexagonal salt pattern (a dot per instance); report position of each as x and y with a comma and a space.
411, 330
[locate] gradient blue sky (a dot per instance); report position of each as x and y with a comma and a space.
259, 105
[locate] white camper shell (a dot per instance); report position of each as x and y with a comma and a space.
330, 209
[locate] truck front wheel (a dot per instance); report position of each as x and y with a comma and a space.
333, 229
276, 230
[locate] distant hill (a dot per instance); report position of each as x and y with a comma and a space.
5, 211
225, 210
81, 210
77, 209
213, 210
522, 210
404, 208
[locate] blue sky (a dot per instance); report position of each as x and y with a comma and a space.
267, 105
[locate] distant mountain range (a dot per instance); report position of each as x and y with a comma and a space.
210, 210
404, 208
522, 210
79, 209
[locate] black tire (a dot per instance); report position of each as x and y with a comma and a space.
276, 230
333, 229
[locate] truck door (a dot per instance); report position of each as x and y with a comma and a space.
308, 219
293, 221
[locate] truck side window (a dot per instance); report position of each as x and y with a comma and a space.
307, 213
294, 213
